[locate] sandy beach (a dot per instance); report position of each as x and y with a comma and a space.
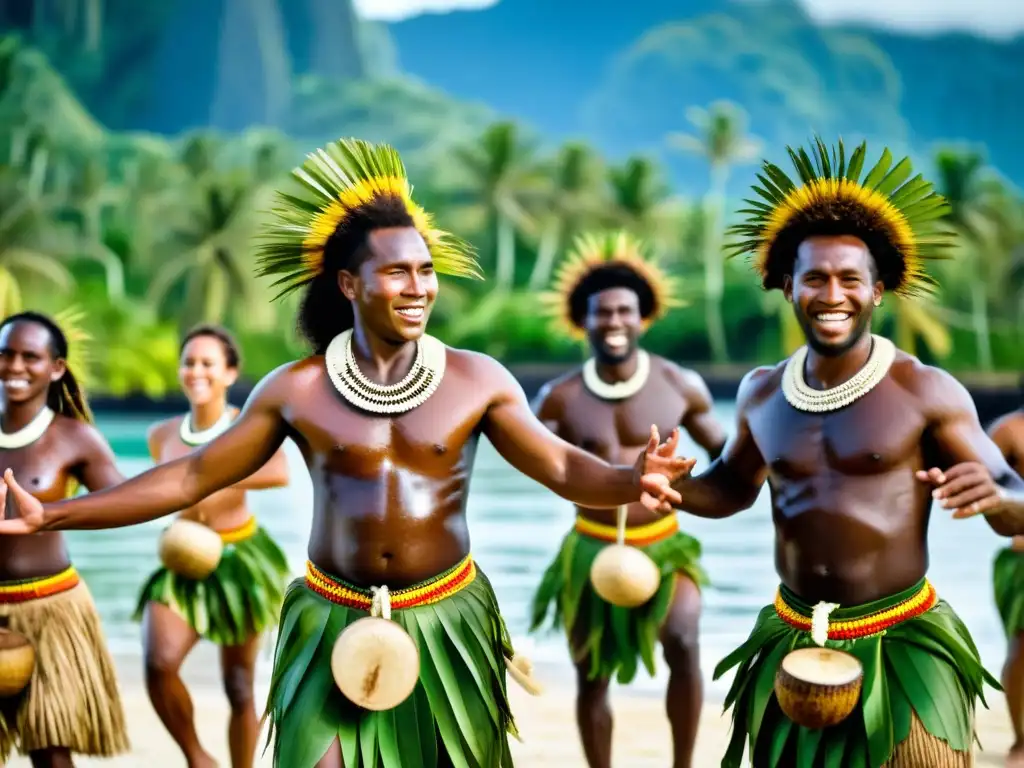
546, 723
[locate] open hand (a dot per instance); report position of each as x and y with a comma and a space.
657, 468
30, 509
967, 488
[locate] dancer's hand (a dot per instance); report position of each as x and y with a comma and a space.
30, 509
967, 488
657, 468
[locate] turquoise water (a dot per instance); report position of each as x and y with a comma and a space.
516, 528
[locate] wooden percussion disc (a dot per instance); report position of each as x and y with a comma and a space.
375, 663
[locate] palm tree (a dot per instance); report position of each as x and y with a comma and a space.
722, 140
641, 202
575, 176
503, 183
919, 317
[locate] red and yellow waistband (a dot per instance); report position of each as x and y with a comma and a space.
433, 591
852, 629
636, 536
32, 589
245, 531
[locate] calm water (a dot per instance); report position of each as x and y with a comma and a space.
517, 526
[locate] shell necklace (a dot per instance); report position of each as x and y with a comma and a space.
620, 390
412, 391
29, 433
189, 437
804, 398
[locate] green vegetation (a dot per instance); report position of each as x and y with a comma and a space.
150, 235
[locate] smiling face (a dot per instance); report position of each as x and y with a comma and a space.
613, 324
834, 289
204, 372
27, 363
393, 290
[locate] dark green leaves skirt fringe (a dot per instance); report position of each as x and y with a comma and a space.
459, 706
927, 664
1008, 580
238, 600
613, 638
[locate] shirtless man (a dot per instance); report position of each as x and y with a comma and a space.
609, 293
856, 440
388, 420
71, 704
1008, 580
242, 597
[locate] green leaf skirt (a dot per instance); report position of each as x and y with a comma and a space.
457, 715
240, 599
927, 665
613, 639
1008, 580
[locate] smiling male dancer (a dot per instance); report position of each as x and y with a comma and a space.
856, 440
609, 293
388, 419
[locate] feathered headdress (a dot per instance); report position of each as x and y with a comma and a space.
597, 255
899, 220
333, 183
79, 359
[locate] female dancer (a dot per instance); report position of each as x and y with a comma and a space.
71, 703
233, 605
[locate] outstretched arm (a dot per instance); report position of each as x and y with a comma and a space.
254, 437
977, 478
582, 478
733, 481
273, 474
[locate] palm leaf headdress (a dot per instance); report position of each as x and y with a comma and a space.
593, 253
79, 359
329, 187
899, 217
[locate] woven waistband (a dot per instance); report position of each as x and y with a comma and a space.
245, 531
637, 535
921, 599
32, 589
431, 591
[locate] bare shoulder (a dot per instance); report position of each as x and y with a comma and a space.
937, 391
1010, 425
158, 431
284, 382
759, 384
562, 388
83, 436
685, 381
486, 373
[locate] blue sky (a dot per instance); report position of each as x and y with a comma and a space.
991, 18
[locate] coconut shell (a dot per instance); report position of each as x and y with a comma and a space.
190, 549
521, 670
375, 663
17, 660
624, 576
818, 687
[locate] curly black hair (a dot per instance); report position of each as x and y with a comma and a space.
610, 275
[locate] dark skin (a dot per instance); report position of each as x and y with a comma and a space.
389, 493
852, 490
1008, 434
617, 431
205, 377
68, 451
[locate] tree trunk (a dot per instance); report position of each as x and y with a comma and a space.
506, 256
546, 252
714, 277
979, 315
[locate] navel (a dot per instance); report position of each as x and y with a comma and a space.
440, 449
876, 457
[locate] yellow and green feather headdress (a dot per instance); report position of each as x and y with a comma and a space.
332, 184
898, 217
593, 252
79, 360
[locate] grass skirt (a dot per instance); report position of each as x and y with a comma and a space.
237, 601
72, 700
614, 639
925, 669
1008, 581
459, 706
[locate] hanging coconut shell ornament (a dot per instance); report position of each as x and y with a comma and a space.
375, 663
818, 687
17, 660
520, 669
190, 549
623, 575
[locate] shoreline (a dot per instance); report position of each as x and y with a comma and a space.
546, 723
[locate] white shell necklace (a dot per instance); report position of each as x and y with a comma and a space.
412, 391
803, 398
189, 437
29, 433
620, 390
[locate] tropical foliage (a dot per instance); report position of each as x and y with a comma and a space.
151, 234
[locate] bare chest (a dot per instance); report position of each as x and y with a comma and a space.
43, 468
881, 431
604, 427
